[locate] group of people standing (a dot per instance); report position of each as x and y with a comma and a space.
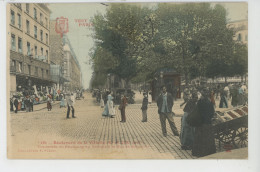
22, 103
109, 109
200, 138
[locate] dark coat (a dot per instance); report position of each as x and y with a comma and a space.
206, 109
191, 104
169, 102
15, 102
144, 104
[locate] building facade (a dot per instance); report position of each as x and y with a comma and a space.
241, 30
28, 45
72, 71
56, 57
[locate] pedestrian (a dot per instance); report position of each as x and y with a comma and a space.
150, 97
144, 107
15, 104
212, 98
27, 104
241, 95
204, 140
62, 101
122, 108
227, 91
165, 104
21, 104
11, 105
70, 106
31, 103
223, 100
49, 106
101, 101
234, 95
109, 107
186, 94
187, 131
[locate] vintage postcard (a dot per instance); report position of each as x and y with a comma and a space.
127, 80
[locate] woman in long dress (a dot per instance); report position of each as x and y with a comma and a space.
204, 140
109, 110
62, 101
187, 131
101, 101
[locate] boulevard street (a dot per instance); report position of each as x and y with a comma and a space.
89, 135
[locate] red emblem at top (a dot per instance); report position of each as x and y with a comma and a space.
62, 25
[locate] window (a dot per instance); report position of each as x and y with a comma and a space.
46, 21
47, 54
36, 71
20, 67
28, 48
13, 66
46, 38
13, 47
13, 62
41, 18
20, 45
42, 73
42, 51
35, 13
19, 21
27, 8
35, 49
12, 18
27, 26
239, 38
41, 35
35, 31
29, 69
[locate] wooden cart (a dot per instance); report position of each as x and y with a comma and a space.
231, 127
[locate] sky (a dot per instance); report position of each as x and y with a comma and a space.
80, 36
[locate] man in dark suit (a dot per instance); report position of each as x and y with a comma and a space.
122, 108
144, 107
165, 103
16, 104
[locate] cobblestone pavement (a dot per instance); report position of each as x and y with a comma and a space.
48, 134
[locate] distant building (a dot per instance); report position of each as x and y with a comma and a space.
28, 39
56, 57
72, 71
241, 29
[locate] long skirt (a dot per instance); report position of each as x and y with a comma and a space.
62, 103
187, 132
106, 111
49, 107
204, 141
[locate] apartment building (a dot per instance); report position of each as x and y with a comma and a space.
28, 45
72, 71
